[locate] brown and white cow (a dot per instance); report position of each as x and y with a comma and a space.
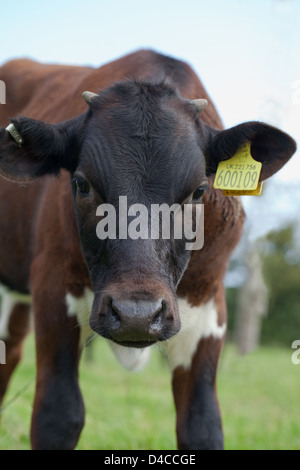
143, 137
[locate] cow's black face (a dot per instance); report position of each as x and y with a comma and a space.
140, 147
146, 144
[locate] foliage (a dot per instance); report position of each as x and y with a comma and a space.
281, 269
280, 256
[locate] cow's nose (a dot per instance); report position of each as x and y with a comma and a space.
137, 323
143, 309
137, 320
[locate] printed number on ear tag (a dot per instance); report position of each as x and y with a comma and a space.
239, 175
239, 192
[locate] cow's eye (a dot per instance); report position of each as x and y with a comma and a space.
197, 195
82, 186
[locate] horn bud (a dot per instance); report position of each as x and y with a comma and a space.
200, 104
89, 96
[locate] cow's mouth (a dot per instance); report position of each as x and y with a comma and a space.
134, 344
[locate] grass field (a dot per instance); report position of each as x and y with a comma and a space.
258, 394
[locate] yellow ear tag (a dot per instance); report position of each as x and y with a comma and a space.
239, 175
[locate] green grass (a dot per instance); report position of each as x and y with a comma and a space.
258, 393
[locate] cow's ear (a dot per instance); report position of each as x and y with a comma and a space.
270, 146
31, 148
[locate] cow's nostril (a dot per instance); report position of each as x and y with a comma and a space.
158, 319
156, 323
115, 319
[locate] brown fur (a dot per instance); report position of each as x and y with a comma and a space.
40, 250
41, 233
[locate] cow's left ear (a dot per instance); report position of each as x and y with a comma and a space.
269, 145
31, 148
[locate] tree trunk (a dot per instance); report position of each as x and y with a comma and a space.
251, 305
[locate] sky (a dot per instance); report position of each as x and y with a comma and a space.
246, 52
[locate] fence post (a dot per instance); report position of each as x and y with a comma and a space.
2, 352
2, 92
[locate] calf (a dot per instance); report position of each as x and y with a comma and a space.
147, 136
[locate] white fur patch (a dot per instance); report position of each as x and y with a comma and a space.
81, 307
196, 323
9, 299
131, 358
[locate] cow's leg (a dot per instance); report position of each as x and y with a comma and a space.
58, 413
17, 329
14, 326
193, 357
198, 416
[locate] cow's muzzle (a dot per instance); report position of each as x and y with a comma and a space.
135, 322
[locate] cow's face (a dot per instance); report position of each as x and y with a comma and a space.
147, 145
141, 147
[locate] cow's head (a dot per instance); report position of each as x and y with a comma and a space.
147, 143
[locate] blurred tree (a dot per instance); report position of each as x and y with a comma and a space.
278, 252
252, 303
281, 268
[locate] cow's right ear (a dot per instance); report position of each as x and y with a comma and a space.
269, 145
31, 148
